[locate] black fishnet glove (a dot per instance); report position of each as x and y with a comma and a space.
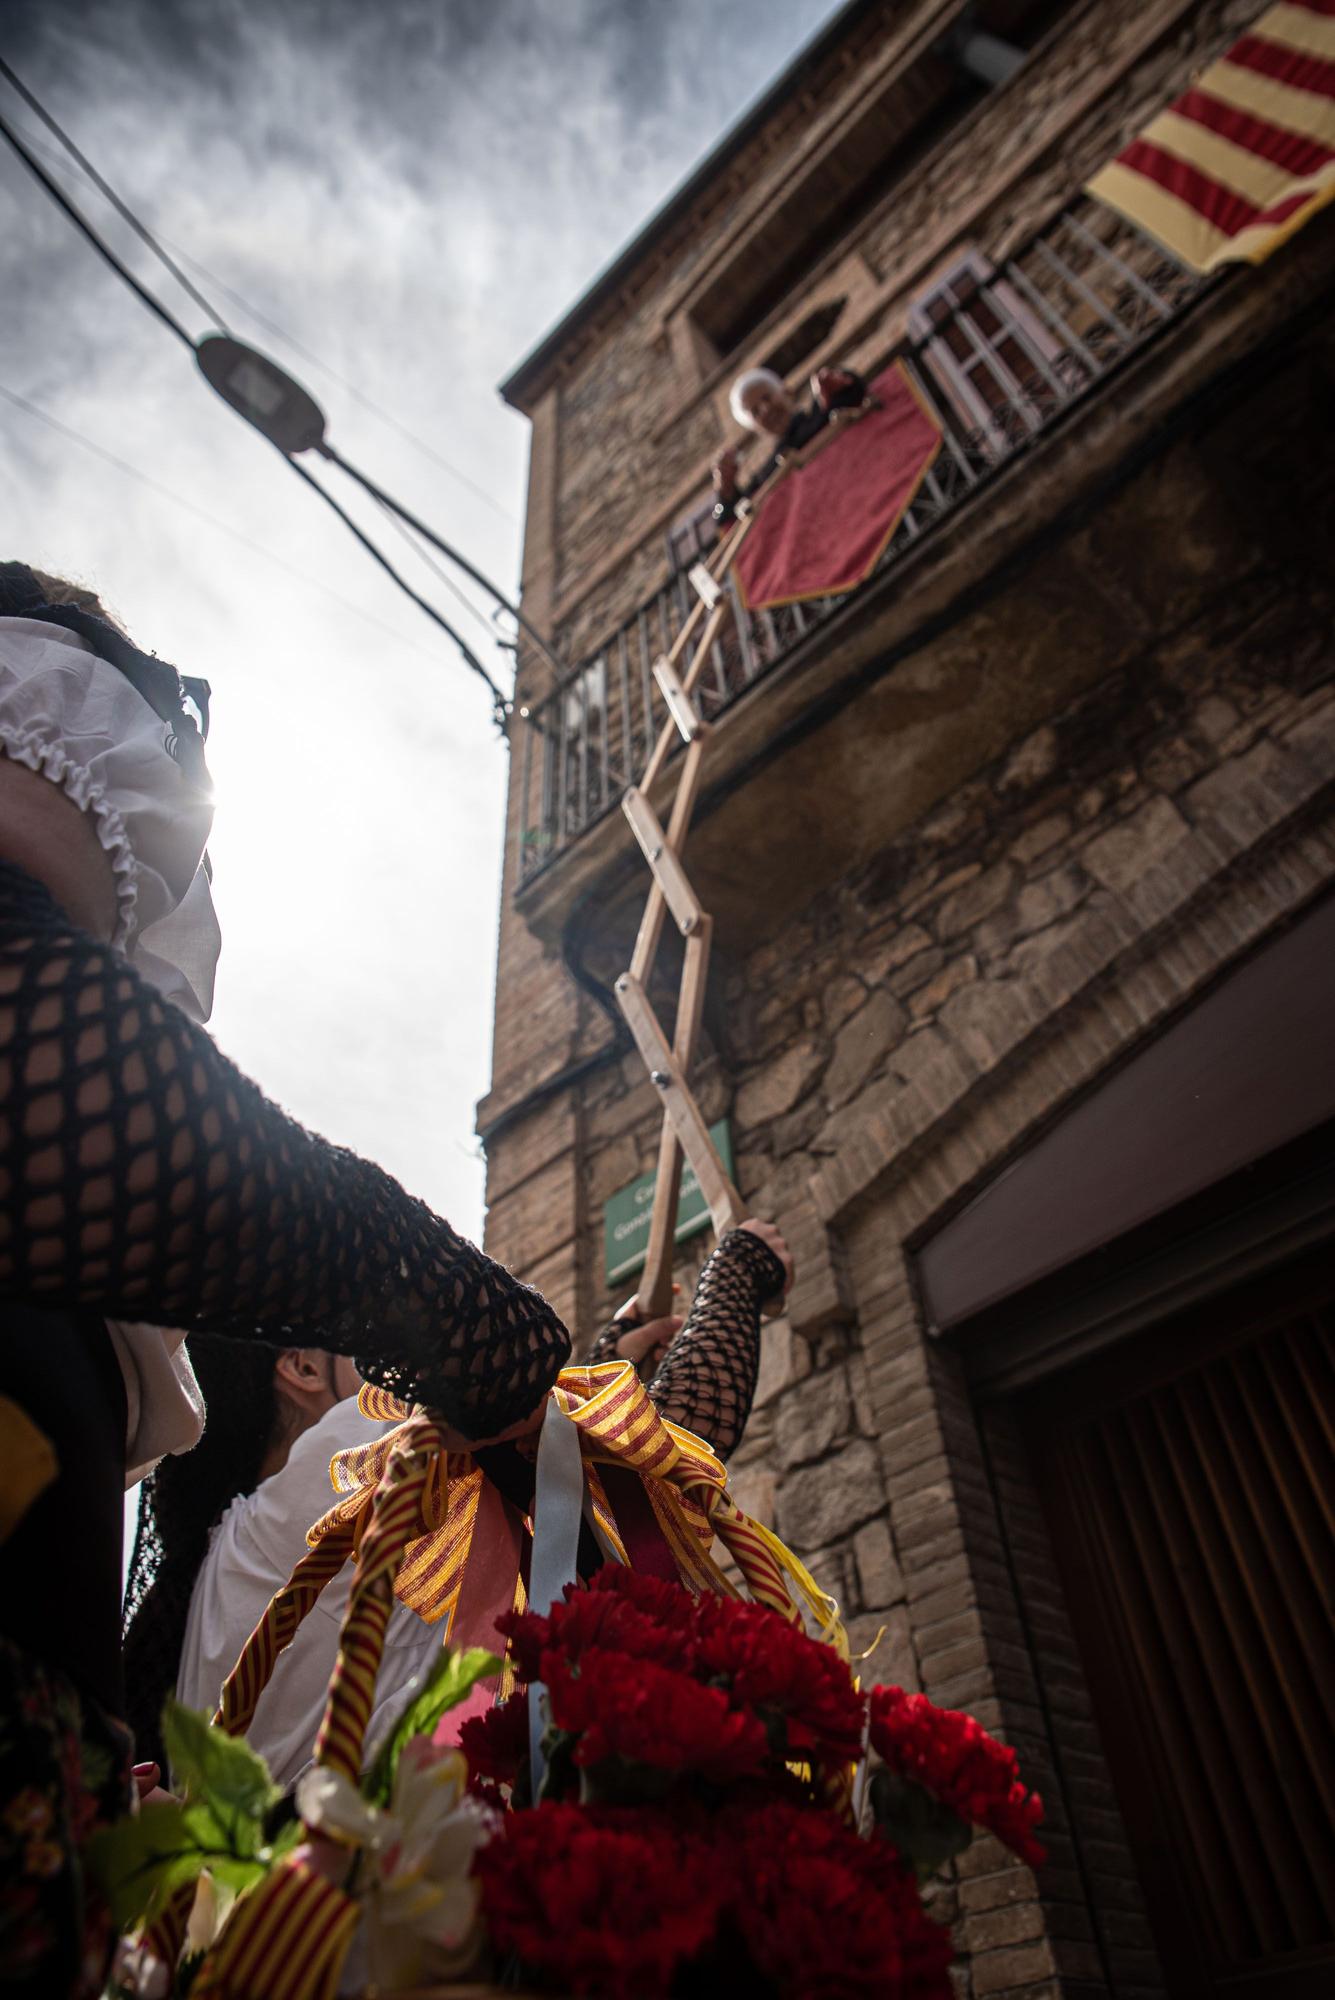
707, 1378
143, 1174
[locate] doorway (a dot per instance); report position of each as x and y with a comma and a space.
1187, 1476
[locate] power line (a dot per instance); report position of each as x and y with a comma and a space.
499, 702
127, 215
442, 576
160, 311
253, 312
122, 465
358, 395
85, 228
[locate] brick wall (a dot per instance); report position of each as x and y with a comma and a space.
883, 1051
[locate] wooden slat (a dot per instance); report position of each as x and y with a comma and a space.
679, 819
723, 1201
654, 1296
679, 704
1246, 1636
669, 875
1300, 1455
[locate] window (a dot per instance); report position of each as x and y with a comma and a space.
878, 143
993, 359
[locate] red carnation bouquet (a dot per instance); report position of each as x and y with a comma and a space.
695, 1817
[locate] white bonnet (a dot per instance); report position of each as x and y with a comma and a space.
78, 721
754, 378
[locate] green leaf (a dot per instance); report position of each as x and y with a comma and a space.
223, 1830
453, 1676
209, 1764
231, 1872
927, 1833
141, 1859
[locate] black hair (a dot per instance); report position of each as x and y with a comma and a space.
181, 1502
24, 593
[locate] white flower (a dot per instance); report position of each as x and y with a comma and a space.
419, 1902
331, 1804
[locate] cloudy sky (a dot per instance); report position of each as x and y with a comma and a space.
410, 193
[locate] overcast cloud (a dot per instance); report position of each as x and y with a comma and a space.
414, 192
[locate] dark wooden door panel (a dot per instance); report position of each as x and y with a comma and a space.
1194, 1524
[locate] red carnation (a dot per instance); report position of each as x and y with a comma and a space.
603, 1899
952, 1757
616, 1620
772, 1666
827, 1916
669, 1605
496, 1744
646, 1714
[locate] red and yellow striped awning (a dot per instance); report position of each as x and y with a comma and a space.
1241, 160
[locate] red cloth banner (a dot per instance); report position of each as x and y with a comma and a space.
1245, 157
825, 526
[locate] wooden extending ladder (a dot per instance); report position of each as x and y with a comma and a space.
685, 1132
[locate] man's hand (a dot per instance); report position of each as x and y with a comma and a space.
725, 474
773, 1240
827, 383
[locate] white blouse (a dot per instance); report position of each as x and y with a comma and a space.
254, 1549
76, 720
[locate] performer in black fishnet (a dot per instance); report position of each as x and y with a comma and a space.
148, 1177
143, 1177
705, 1380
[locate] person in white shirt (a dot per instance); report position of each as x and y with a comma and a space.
223, 1526
261, 1537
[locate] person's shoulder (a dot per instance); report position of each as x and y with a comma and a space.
289, 1500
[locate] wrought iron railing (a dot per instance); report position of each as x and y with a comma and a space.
998, 353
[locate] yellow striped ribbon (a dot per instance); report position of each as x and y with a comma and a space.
286, 1940
406, 1511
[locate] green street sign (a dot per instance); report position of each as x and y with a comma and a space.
626, 1214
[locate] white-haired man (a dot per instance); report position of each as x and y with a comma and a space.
761, 401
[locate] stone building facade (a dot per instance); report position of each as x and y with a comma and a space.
1046, 803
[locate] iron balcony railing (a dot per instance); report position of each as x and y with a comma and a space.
998, 353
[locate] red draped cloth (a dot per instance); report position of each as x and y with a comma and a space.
824, 528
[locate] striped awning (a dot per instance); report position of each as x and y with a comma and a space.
1241, 160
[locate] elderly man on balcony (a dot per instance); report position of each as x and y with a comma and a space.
761, 402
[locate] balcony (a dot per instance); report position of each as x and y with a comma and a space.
1001, 354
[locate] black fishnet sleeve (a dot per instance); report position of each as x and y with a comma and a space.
707, 1378
143, 1174
605, 1346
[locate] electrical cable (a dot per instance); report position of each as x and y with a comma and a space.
122, 465
253, 312
441, 575
335, 457
500, 703
126, 214
85, 228
358, 395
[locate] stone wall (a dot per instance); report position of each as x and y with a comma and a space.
1110, 862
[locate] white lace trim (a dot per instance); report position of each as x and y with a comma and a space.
53, 761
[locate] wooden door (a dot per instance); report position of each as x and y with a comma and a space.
1191, 1500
